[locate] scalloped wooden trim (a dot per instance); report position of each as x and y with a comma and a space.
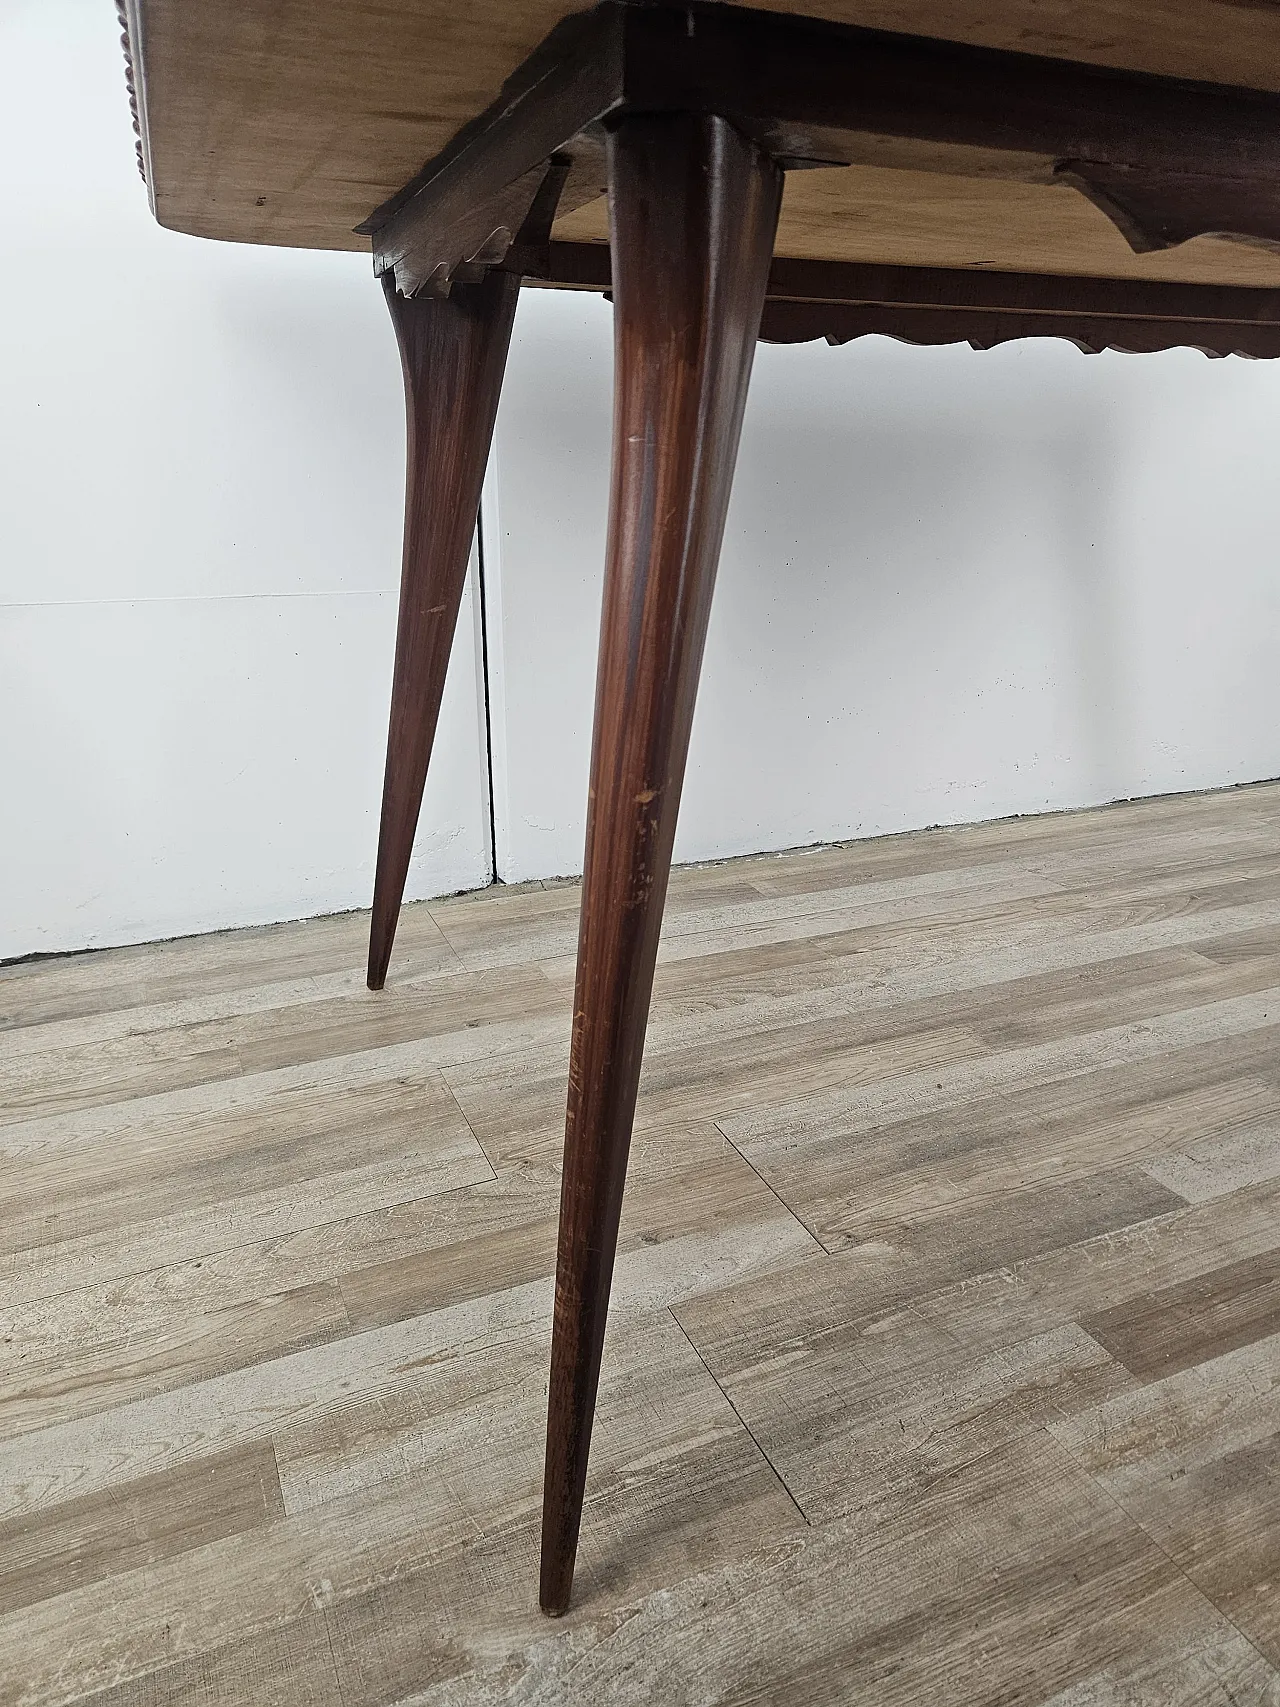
131, 84
840, 301
984, 329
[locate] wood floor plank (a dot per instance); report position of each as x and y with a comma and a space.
187, 1002
150, 1062
425, 1419
1214, 824
871, 973
84, 1541
986, 1157
1001, 1229
687, 1184
1114, 1000
257, 1234
1195, 1458
115, 1358
1207, 1664
1222, 1162
1106, 887
532, 922
876, 1402
695, 1212
754, 919
35, 992
1177, 1326
1242, 945
182, 1008
103, 1196
810, 1357
1006, 1579
93, 1447
1000, 980
744, 1326
289, 1666
516, 1106
1234, 1038
318, 1030
110, 1072
141, 1169
103, 1449
671, 1458
461, 1235
933, 1596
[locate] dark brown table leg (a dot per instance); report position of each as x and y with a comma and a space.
453, 350
694, 209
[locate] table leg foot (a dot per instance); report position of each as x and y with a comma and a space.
694, 208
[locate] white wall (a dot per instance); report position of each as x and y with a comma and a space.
201, 485
954, 586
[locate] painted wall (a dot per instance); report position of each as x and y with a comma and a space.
954, 586
201, 485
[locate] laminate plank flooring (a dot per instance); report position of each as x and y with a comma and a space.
945, 1354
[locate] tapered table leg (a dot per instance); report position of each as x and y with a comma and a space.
453, 351
694, 207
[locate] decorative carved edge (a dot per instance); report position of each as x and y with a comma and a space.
985, 329
130, 84
839, 301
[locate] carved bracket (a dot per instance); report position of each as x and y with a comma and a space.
1158, 210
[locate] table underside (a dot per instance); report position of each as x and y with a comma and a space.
289, 123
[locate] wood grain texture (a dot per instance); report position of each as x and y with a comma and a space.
694, 210
453, 353
291, 123
1166, 161
960, 1363
1182, 1325
156, 1517
1192, 1456
867, 214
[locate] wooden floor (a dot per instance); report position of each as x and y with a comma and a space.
945, 1357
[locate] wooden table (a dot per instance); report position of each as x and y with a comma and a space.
1102, 170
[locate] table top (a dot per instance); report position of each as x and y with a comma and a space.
288, 121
